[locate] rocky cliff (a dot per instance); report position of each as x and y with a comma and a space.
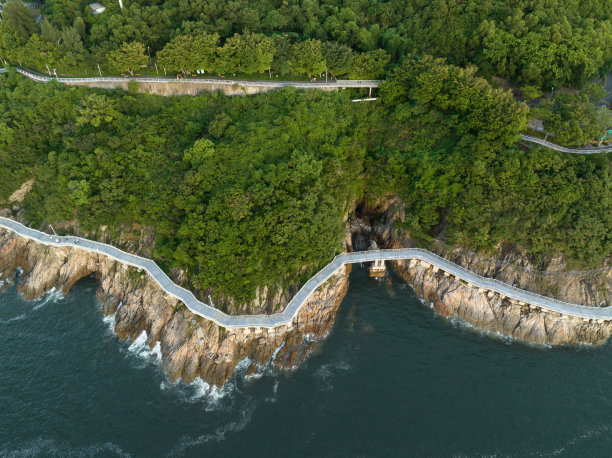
490, 312
191, 346
195, 347
453, 298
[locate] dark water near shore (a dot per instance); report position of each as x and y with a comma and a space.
392, 379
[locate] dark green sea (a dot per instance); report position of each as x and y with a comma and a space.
392, 379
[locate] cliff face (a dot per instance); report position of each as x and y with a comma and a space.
194, 347
453, 298
489, 312
549, 277
191, 346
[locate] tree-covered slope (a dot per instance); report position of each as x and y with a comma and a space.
543, 43
247, 192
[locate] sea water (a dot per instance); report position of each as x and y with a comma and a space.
392, 379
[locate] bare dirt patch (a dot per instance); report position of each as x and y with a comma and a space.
19, 195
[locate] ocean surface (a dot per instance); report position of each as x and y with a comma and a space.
392, 379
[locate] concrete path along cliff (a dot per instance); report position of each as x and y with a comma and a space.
286, 317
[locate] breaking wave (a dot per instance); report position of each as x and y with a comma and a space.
46, 447
10, 320
50, 296
142, 353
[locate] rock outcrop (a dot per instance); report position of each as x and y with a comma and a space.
490, 312
453, 298
191, 345
548, 276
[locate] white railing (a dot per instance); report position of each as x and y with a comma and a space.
286, 317
200, 80
565, 149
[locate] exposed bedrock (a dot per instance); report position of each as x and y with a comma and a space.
195, 347
549, 276
491, 312
191, 345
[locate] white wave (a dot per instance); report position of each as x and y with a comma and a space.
110, 321
48, 447
504, 338
279, 348
140, 350
10, 320
50, 296
211, 397
274, 392
425, 302
218, 435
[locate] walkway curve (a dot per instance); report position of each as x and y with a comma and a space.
286, 317
219, 81
565, 149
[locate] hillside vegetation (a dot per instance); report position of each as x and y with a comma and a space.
539, 43
251, 191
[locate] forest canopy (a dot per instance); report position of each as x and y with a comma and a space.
244, 192
539, 43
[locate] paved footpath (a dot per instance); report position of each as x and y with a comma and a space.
286, 317
565, 149
222, 81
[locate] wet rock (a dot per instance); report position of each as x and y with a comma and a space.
191, 346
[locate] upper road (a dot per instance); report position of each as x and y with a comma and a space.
223, 81
286, 317
335, 84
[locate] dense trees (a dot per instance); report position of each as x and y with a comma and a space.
463, 181
20, 18
252, 191
189, 52
574, 120
538, 44
129, 57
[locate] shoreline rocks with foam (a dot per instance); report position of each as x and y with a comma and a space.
190, 345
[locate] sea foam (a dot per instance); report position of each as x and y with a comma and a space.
52, 295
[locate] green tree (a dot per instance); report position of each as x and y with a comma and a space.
189, 52
20, 18
307, 57
96, 110
10, 43
337, 58
531, 92
247, 53
369, 65
49, 31
79, 25
129, 57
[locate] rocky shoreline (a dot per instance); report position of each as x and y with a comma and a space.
193, 347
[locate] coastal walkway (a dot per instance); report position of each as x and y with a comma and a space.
565, 149
483, 284
335, 84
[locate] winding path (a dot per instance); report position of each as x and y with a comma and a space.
286, 317
565, 149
